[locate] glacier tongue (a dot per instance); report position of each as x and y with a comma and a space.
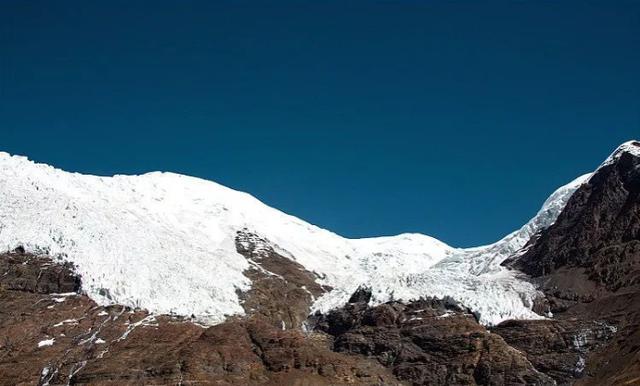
166, 242
472, 276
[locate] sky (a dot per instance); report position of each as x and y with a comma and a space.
453, 119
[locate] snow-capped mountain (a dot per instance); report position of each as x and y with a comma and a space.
166, 242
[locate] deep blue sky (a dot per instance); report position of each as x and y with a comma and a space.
454, 119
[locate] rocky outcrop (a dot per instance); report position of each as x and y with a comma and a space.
282, 290
429, 342
589, 343
558, 348
26, 272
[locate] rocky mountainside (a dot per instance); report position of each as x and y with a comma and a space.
166, 279
588, 264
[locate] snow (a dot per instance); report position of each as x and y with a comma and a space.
146, 321
46, 342
166, 242
631, 147
472, 276
66, 321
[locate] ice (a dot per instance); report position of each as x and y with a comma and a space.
166, 243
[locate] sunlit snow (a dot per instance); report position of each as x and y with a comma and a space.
165, 242
46, 342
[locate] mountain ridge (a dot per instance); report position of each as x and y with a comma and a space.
126, 233
404, 323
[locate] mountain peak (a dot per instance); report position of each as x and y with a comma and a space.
630, 147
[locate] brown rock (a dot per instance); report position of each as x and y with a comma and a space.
120, 346
429, 342
282, 290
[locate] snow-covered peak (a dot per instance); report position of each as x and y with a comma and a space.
632, 147
404, 252
166, 242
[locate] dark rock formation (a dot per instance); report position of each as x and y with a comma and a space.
282, 290
26, 272
429, 342
558, 348
362, 295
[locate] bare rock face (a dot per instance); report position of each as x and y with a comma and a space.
429, 342
594, 245
558, 348
282, 290
27, 273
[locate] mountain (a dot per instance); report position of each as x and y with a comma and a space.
169, 279
126, 234
588, 263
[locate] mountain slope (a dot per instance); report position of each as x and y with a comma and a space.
167, 243
581, 262
588, 266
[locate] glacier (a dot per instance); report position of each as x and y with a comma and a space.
166, 242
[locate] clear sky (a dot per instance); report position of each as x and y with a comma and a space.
454, 119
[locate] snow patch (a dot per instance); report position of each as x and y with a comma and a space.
66, 321
46, 342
